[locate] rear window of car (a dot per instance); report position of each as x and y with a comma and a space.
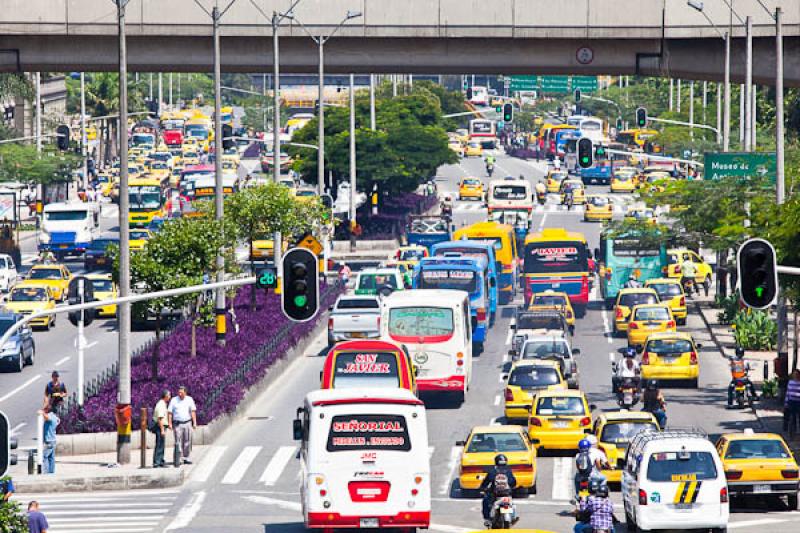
496, 443
757, 449
637, 298
669, 346
560, 405
548, 300
530, 377
681, 466
358, 303
652, 313
666, 289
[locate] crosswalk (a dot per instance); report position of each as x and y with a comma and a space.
138, 511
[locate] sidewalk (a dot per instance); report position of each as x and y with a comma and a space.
92, 473
769, 411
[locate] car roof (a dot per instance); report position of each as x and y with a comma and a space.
550, 292
638, 290
496, 429
672, 281
618, 416
29, 284
660, 335
536, 362
752, 436
52, 265
571, 393
651, 306
106, 276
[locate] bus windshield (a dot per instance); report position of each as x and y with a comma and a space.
546, 257
420, 322
462, 280
145, 197
374, 369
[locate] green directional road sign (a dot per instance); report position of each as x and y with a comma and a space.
523, 83
741, 165
586, 84
554, 84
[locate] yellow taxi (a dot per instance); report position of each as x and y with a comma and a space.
525, 380
578, 191
134, 170
614, 431
623, 180
598, 207
55, 277
626, 299
138, 238
159, 170
190, 144
456, 146
677, 256
646, 214
496, 101
759, 464
473, 149
175, 177
484, 443
263, 249
26, 298
104, 289
671, 356
559, 419
470, 188
647, 319
551, 299
462, 135
554, 179
655, 181
670, 291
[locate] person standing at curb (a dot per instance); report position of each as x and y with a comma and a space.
182, 420
37, 522
791, 405
54, 392
51, 421
159, 425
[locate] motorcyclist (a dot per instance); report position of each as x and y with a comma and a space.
688, 273
541, 191
46, 256
599, 510
628, 370
653, 402
739, 371
499, 481
569, 197
587, 448
489, 163
632, 283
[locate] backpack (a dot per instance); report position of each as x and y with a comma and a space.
501, 485
583, 463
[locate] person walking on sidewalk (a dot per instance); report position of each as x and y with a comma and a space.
791, 405
54, 392
37, 522
182, 420
160, 423
51, 422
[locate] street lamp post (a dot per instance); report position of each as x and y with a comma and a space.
353, 222
748, 86
84, 148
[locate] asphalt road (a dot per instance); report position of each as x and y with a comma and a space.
249, 480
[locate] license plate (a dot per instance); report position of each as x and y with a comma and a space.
560, 423
368, 522
556, 285
506, 510
64, 246
761, 489
101, 261
683, 506
357, 335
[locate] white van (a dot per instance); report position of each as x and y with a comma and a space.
674, 480
364, 459
68, 227
434, 326
509, 194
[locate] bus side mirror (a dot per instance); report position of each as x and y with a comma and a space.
597, 253
492, 282
297, 429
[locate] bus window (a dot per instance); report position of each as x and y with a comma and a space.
356, 369
462, 280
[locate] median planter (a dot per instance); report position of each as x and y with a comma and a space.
217, 378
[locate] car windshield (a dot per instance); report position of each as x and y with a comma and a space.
421, 322
623, 432
637, 298
29, 294
102, 285
666, 289
540, 349
63, 216
669, 346
757, 449
5, 324
45, 273
472, 182
464, 280
560, 405
652, 313
412, 254
100, 245
598, 201
496, 443
679, 466
537, 321
139, 235
358, 303
533, 377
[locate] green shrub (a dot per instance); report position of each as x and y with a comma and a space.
769, 388
12, 519
728, 307
755, 330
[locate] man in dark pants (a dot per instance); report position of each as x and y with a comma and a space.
491, 485
160, 424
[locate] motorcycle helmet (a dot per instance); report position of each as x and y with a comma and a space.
630, 353
652, 385
602, 491
739, 352
584, 445
500, 460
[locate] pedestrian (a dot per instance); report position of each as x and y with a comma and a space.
791, 405
6, 488
37, 522
182, 414
54, 392
159, 427
51, 421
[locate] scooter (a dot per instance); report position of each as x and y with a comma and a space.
628, 394
688, 286
489, 169
741, 393
541, 197
504, 513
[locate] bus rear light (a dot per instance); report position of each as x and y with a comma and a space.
417, 479
460, 355
460, 362
481, 314
319, 480
414, 492
693, 358
323, 492
534, 421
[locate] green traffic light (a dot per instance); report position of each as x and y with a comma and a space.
759, 291
300, 301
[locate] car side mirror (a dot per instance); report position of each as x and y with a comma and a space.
513, 327
297, 429
592, 407
461, 443
698, 345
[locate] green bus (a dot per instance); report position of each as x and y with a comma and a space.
621, 255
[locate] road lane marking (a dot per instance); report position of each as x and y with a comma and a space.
751, 523
21, 425
452, 463
500, 378
494, 422
541, 222
62, 361
203, 471
561, 482
13, 392
497, 400
611, 356
431, 449
265, 500
186, 514
277, 464
240, 465
449, 529
508, 337
606, 327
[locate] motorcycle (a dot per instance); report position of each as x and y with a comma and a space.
489, 169
504, 513
541, 197
741, 393
688, 286
628, 394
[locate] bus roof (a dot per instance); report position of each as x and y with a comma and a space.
326, 397
463, 243
425, 298
70, 206
638, 130
513, 181
555, 234
209, 181
198, 168
488, 227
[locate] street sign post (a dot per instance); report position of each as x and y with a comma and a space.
743, 166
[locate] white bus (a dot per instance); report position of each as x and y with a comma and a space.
483, 130
509, 194
364, 459
480, 95
593, 128
434, 326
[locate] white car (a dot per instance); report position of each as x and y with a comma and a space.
8, 273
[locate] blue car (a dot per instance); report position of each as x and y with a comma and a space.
19, 350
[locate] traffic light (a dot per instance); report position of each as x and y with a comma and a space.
585, 155
266, 278
498, 108
227, 137
641, 117
577, 95
469, 93
80, 286
300, 288
6, 445
600, 151
62, 137
619, 124
758, 273
508, 113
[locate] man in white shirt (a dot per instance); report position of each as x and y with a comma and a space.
182, 420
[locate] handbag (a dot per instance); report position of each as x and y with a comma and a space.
153, 427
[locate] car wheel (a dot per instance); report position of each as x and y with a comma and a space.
791, 500
20, 363
29, 360
693, 383
681, 321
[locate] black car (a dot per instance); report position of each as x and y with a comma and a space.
19, 350
96, 256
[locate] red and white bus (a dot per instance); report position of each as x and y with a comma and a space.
434, 325
364, 459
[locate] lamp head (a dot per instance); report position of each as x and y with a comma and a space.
695, 4
353, 14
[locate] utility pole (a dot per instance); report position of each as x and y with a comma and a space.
151, 85
38, 115
705, 99
122, 412
84, 148
671, 90
678, 96
753, 117
372, 102
353, 222
719, 113
742, 105
748, 84
691, 109
160, 92
170, 90
779, 174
